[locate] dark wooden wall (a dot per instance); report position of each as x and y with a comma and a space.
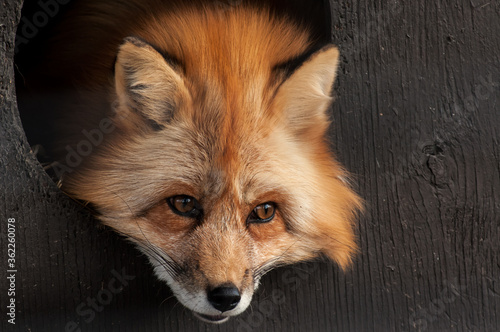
417, 121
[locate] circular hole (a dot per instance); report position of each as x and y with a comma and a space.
36, 93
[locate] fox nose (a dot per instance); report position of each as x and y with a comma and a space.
224, 298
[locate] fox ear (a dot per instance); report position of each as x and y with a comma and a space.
148, 83
306, 94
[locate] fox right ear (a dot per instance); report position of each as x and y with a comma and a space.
147, 83
305, 96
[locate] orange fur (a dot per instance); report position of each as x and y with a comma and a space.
218, 119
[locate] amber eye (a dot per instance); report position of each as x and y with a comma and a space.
262, 213
185, 206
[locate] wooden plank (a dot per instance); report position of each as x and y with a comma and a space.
423, 83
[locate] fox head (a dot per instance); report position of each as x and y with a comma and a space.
219, 169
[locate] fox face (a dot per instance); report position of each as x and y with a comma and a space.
218, 168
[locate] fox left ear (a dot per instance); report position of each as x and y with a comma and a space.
306, 94
147, 83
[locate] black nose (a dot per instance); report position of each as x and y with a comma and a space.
224, 298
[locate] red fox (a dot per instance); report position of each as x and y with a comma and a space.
199, 133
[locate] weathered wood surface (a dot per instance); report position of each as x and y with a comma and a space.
417, 120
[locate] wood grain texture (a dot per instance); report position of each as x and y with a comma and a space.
416, 120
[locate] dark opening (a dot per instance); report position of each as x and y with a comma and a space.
38, 23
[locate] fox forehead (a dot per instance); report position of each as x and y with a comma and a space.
208, 166
231, 62
243, 43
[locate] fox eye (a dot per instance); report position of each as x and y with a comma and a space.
262, 213
185, 206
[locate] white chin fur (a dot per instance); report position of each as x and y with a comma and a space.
213, 319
